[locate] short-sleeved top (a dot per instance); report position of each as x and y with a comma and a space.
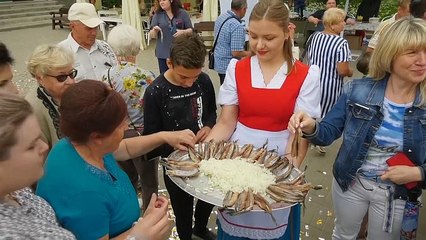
168, 107
168, 27
88, 201
382, 26
130, 81
33, 219
326, 51
307, 101
231, 38
255, 225
92, 63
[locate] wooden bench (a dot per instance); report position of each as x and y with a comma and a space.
60, 18
206, 31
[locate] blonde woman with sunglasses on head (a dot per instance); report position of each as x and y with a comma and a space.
52, 67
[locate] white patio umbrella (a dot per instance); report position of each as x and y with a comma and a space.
132, 16
346, 10
210, 10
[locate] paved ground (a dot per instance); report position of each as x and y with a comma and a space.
318, 217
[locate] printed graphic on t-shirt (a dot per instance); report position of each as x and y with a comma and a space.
186, 109
390, 134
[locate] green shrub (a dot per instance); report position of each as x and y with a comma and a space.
111, 3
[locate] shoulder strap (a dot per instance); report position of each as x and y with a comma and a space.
109, 79
307, 45
218, 33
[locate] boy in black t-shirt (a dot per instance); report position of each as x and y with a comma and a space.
183, 98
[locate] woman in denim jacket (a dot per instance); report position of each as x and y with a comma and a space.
378, 117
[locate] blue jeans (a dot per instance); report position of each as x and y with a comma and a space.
291, 233
162, 65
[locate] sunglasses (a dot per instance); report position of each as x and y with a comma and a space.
64, 77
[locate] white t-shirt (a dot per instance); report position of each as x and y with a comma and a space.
307, 101
90, 64
259, 225
382, 26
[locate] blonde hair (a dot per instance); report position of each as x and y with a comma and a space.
275, 11
48, 57
404, 35
14, 110
404, 3
333, 16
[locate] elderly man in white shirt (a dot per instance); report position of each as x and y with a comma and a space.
92, 56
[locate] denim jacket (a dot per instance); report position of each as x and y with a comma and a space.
357, 115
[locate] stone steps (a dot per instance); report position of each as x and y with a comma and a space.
26, 14
21, 4
8, 11
25, 25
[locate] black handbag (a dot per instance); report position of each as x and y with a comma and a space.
211, 59
211, 51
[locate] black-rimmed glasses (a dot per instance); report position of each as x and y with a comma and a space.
64, 77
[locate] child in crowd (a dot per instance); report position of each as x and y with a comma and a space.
183, 97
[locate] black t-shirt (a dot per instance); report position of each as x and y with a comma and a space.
168, 107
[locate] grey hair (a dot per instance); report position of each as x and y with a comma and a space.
125, 40
238, 4
47, 57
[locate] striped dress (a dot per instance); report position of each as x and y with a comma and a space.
326, 51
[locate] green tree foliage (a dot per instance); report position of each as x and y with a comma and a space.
111, 3
387, 7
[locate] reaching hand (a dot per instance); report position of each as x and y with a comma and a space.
154, 31
181, 139
156, 28
303, 121
155, 224
316, 21
350, 21
202, 134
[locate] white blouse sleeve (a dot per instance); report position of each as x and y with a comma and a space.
310, 95
228, 91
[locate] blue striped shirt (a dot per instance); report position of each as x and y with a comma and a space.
326, 51
232, 38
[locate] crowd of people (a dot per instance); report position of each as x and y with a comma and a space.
76, 149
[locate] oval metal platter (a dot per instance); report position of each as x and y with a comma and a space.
200, 188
